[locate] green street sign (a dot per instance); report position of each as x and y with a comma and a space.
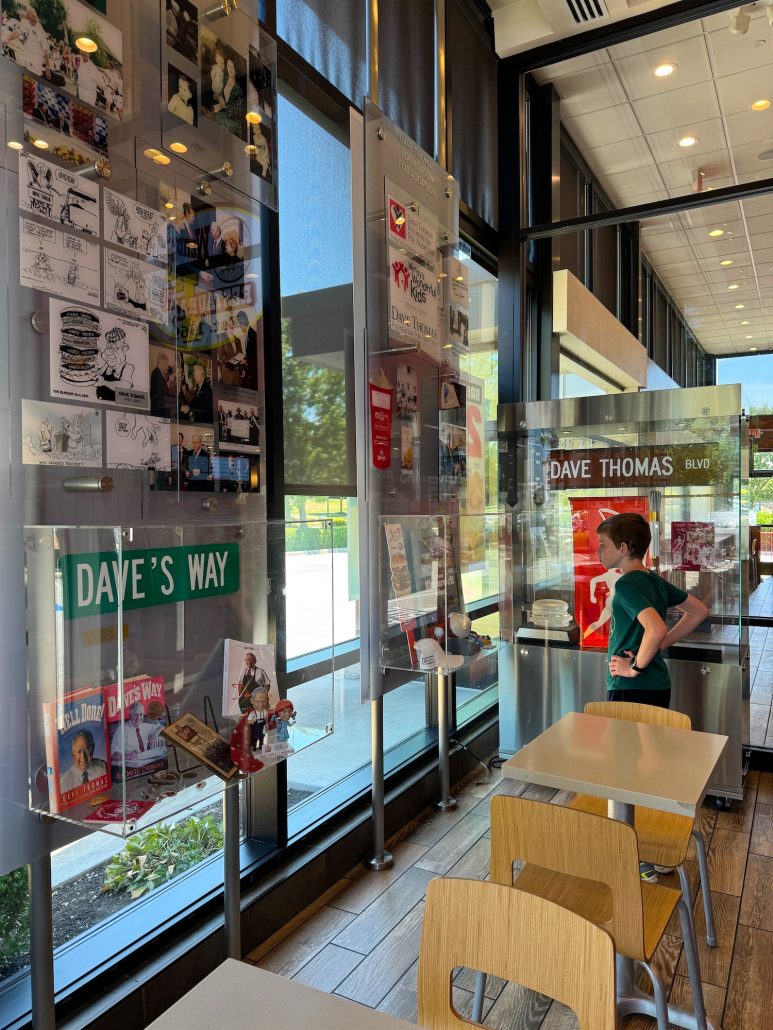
93, 583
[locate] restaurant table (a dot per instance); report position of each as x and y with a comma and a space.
629, 764
237, 994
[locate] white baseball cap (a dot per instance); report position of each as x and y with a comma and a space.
460, 624
432, 656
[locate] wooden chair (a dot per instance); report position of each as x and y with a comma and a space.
590, 865
516, 936
663, 838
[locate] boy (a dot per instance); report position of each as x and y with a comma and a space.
638, 634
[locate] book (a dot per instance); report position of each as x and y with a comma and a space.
136, 746
247, 667
75, 733
206, 746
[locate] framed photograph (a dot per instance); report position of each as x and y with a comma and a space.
182, 29
206, 746
183, 96
223, 84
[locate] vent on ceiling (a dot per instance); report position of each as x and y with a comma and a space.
584, 12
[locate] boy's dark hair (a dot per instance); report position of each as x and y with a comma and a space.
628, 528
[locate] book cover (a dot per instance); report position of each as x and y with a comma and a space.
76, 747
206, 746
247, 667
136, 746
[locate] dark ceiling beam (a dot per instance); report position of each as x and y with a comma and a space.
614, 33
669, 206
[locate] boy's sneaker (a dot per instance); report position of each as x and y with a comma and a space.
664, 868
647, 872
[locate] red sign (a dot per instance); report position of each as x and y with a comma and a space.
381, 399
594, 586
397, 219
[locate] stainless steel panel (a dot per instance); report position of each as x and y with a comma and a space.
539, 685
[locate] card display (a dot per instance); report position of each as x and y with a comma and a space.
135, 287
137, 441
133, 225
98, 356
56, 262
61, 434
53, 193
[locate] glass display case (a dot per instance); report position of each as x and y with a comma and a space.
675, 457
151, 680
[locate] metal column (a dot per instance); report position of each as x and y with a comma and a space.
231, 873
444, 683
42, 944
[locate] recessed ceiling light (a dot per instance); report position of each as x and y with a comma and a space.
733, 286
172, 218
688, 141
151, 152
162, 159
717, 232
14, 145
178, 148
664, 70
250, 149
753, 348
745, 322
86, 44
761, 105
726, 263
40, 144
749, 337
739, 307
168, 205
253, 118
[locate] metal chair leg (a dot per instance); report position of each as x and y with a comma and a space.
708, 907
684, 883
693, 966
477, 1001
661, 1005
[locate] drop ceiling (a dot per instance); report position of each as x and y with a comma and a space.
627, 123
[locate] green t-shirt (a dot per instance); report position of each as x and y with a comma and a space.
634, 592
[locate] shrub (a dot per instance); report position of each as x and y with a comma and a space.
765, 518
159, 853
14, 916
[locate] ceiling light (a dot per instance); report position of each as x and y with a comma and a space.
168, 205
40, 144
86, 44
749, 337
253, 118
688, 141
733, 286
178, 148
739, 307
760, 105
727, 262
250, 149
172, 218
12, 143
753, 348
745, 322
717, 232
162, 159
151, 152
664, 70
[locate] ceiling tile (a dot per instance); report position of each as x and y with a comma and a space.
748, 163
733, 53
711, 214
679, 107
571, 67
750, 126
618, 123
619, 157
660, 41
756, 206
591, 90
737, 92
710, 135
636, 71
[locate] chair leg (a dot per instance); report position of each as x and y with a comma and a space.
477, 1001
661, 1005
693, 966
684, 883
708, 907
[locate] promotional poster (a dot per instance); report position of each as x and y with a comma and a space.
76, 747
136, 746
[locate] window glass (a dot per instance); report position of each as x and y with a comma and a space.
315, 240
15, 922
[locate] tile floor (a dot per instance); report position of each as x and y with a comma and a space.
761, 668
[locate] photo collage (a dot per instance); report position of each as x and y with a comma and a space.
206, 77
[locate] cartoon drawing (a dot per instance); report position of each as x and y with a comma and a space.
56, 194
137, 441
135, 287
55, 261
121, 230
131, 224
41, 268
59, 434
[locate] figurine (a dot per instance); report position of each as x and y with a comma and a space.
285, 717
258, 718
241, 743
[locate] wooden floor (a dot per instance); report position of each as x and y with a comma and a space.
761, 672
361, 939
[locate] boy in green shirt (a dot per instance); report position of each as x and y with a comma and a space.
638, 633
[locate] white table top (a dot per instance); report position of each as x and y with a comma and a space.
237, 994
630, 762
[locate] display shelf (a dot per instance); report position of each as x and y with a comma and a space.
434, 570
151, 680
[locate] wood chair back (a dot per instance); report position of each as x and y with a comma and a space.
516, 936
576, 844
632, 712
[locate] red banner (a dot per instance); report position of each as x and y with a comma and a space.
381, 400
594, 586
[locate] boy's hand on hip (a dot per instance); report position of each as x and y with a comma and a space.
620, 666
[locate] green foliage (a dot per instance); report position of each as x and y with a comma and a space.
11, 8
159, 853
765, 518
14, 915
53, 16
315, 537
